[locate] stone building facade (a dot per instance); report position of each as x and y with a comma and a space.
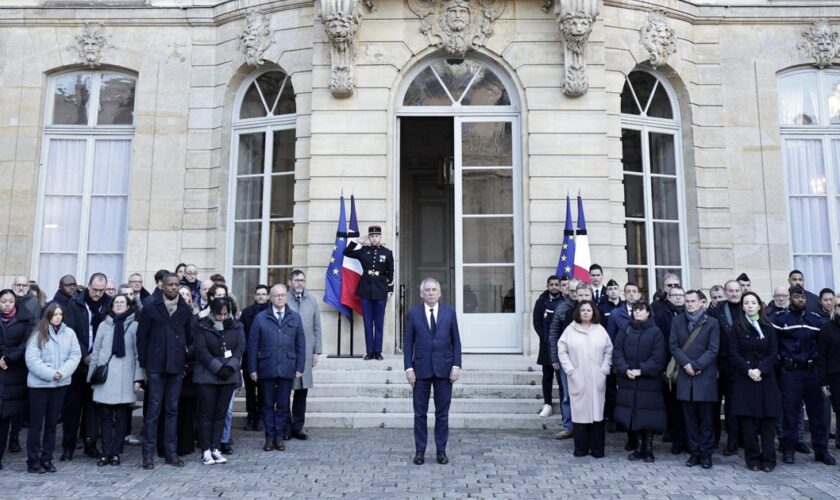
703, 137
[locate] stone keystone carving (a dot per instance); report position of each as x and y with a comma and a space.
576, 18
658, 38
255, 37
457, 25
821, 43
90, 45
341, 20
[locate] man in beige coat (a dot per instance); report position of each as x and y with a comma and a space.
303, 303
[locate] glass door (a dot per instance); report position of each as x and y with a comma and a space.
487, 230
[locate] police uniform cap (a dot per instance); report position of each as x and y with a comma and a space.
374, 229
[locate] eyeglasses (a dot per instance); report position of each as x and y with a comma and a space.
671, 285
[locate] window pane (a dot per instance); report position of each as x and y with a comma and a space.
486, 90
284, 151
643, 84
108, 219
631, 150
270, 83
109, 264
425, 90
52, 267
813, 236
660, 105
662, 157
111, 163
249, 198
486, 144
488, 239
835, 158
71, 99
116, 99
804, 166
818, 270
280, 243
252, 104
628, 103
639, 276
282, 196
456, 77
798, 100
243, 283
246, 245
278, 275
666, 243
489, 290
487, 191
287, 105
664, 198
832, 85
65, 167
636, 243
62, 224
251, 154
634, 196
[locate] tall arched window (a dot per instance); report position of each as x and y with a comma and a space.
653, 180
262, 182
809, 114
82, 213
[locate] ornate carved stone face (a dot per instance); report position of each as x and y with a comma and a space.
577, 25
457, 17
90, 45
340, 28
821, 43
824, 45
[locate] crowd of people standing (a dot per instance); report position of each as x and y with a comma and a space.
81, 359
674, 365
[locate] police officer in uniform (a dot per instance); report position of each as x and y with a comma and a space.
376, 285
799, 380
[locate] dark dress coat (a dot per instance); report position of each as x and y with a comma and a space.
76, 318
543, 314
702, 354
432, 355
13, 337
727, 324
275, 349
639, 404
210, 345
749, 351
828, 359
163, 340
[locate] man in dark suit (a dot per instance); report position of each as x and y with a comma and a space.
599, 291
432, 355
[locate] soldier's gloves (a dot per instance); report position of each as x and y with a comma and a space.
225, 372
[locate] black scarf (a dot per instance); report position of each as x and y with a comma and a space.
694, 318
118, 343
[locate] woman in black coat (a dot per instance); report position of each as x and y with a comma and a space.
15, 327
543, 314
219, 343
638, 359
828, 359
753, 352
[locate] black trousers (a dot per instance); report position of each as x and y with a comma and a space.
18, 420
610, 394
699, 426
164, 392
252, 403
186, 428
548, 377
212, 401
443, 399
589, 438
44, 409
725, 389
752, 428
298, 417
71, 412
113, 423
5, 424
674, 414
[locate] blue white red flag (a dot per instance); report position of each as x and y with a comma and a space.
567, 253
351, 268
332, 285
582, 257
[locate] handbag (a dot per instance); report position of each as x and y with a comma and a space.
673, 370
100, 373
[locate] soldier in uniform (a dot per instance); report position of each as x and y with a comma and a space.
375, 287
798, 379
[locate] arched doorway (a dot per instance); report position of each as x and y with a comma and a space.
460, 208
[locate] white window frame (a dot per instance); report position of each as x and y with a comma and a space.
90, 133
267, 126
647, 125
825, 132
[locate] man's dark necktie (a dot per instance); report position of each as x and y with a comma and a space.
432, 323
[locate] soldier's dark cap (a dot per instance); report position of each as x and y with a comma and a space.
796, 289
374, 229
612, 283
743, 277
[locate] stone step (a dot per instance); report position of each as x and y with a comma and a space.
403, 390
490, 377
470, 362
456, 421
404, 405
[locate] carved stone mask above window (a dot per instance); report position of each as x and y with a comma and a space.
457, 25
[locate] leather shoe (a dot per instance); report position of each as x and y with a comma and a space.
825, 458
268, 446
148, 463
48, 466
692, 461
676, 449
802, 448
378, 356
706, 461
279, 446
226, 448
300, 435
287, 436
753, 468
66, 455
442, 459
730, 449
174, 461
788, 457
768, 468
35, 469
14, 446
368, 356
419, 458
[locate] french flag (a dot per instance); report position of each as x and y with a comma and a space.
351, 269
582, 258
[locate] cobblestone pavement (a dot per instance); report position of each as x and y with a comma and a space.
376, 463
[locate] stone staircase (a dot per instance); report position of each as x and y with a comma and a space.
494, 392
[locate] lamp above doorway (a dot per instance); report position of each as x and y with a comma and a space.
446, 172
